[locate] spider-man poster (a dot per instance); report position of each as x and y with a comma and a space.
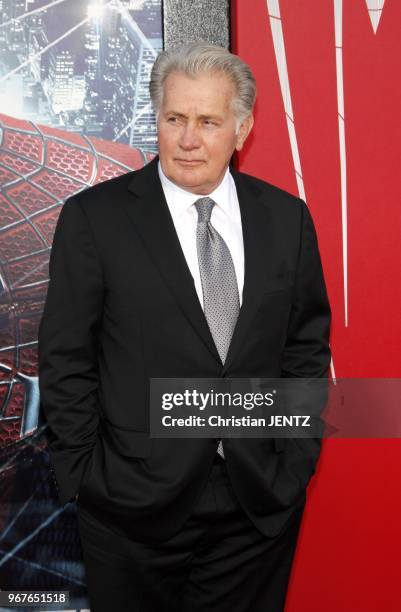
74, 110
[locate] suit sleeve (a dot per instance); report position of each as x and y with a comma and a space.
68, 348
307, 350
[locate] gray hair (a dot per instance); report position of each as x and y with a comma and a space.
195, 58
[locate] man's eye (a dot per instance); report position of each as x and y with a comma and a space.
172, 119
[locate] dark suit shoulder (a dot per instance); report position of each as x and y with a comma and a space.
267, 188
108, 193
105, 189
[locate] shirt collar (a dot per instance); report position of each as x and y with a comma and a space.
182, 199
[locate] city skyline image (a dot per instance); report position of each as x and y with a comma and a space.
81, 66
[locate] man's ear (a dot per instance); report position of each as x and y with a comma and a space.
243, 132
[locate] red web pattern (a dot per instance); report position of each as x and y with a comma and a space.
39, 168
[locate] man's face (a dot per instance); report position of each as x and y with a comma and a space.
196, 130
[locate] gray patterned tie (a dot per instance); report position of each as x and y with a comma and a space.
219, 282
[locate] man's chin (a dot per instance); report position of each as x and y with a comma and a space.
189, 179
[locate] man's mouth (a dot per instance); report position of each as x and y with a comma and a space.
189, 162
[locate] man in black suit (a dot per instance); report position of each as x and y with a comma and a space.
137, 271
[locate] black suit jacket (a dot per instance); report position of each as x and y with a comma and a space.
122, 308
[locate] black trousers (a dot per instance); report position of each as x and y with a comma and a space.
219, 561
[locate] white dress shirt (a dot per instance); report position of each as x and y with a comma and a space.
225, 218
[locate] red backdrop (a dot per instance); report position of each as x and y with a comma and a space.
328, 129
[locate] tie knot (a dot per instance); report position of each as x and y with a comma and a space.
204, 206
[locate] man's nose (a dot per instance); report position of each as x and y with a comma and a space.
189, 138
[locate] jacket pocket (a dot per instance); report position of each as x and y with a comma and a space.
276, 285
127, 442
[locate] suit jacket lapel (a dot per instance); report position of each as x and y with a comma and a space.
154, 224
258, 241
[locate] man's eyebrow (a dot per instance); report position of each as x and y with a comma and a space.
202, 117
215, 117
173, 112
